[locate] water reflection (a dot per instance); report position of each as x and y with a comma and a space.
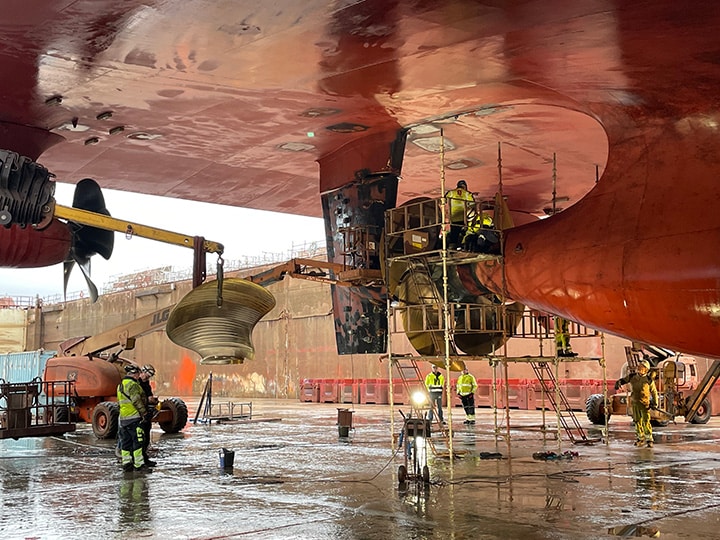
133, 500
651, 488
629, 531
415, 495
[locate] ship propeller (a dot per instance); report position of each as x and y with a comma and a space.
87, 240
220, 332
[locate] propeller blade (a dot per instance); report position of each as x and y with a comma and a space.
91, 240
85, 269
87, 240
67, 268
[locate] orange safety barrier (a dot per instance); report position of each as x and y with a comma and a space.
349, 391
374, 391
309, 391
400, 394
328, 391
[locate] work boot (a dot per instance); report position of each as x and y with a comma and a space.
150, 462
639, 443
649, 444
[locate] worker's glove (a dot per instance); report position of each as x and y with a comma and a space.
617, 385
653, 404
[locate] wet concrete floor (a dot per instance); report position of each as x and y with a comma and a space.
297, 478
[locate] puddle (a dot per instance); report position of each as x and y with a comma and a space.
297, 479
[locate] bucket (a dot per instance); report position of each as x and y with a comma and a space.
344, 422
227, 458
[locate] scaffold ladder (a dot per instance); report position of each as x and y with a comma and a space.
565, 414
413, 381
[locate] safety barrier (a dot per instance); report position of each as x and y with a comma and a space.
328, 391
400, 394
524, 394
349, 391
309, 391
374, 391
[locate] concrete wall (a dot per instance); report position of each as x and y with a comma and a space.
295, 341
13, 325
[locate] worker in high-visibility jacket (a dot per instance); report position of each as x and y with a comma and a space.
466, 386
480, 235
461, 203
133, 411
643, 397
434, 382
562, 338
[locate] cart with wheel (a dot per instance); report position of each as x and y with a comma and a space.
414, 442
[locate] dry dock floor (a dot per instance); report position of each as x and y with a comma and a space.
295, 477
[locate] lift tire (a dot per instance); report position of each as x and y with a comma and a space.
61, 414
595, 409
703, 414
105, 419
426, 474
179, 415
402, 474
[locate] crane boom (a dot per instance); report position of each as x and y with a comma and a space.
123, 335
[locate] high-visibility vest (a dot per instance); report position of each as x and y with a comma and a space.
434, 383
461, 201
466, 384
130, 399
476, 225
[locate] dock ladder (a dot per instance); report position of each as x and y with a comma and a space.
413, 381
556, 397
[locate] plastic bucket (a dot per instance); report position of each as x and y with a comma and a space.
227, 458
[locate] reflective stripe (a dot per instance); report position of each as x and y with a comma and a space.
461, 201
466, 384
128, 394
434, 383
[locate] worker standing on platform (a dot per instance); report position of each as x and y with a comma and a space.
146, 373
643, 397
132, 412
434, 382
466, 386
562, 338
460, 202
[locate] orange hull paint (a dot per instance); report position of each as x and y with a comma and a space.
236, 102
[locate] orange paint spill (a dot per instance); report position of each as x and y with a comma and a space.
185, 376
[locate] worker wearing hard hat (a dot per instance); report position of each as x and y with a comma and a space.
643, 397
480, 235
132, 412
466, 386
434, 382
460, 202
562, 338
147, 372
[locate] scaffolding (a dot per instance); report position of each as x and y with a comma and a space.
417, 263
